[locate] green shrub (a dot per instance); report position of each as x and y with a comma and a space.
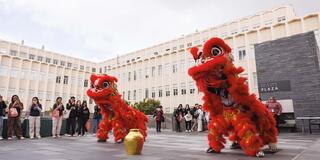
147, 106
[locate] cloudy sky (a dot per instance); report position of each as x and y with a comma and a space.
100, 29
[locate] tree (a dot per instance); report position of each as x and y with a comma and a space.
147, 106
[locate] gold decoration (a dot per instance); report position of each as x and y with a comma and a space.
133, 142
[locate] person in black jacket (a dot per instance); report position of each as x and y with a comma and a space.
178, 117
69, 105
73, 114
96, 118
34, 118
3, 106
84, 115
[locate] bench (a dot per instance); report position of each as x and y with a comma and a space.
312, 121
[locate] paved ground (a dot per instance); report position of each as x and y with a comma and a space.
164, 146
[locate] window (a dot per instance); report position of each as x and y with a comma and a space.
192, 87
13, 52
40, 58
175, 89
23, 54
281, 19
123, 95
189, 44
182, 66
100, 70
85, 83
134, 75
134, 94
65, 80
181, 46
81, 67
159, 70
191, 62
242, 53
105, 69
55, 61
62, 63
93, 70
235, 31
160, 91
129, 76
153, 92
153, 70
174, 48
167, 90
146, 71
147, 93
140, 74
183, 88
129, 95
174, 67
58, 79
48, 60
69, 64
31, 56
167, 68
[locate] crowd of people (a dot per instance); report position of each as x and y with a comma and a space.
195, 119
75, 112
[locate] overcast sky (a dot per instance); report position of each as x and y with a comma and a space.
100, 29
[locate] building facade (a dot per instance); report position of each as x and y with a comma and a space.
158, 72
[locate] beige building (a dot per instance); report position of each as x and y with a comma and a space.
158, 72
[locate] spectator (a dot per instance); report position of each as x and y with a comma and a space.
66, 115
57, 113
185, 112
275, 108
78, 106
158, 114
84, 115
188, 119
14, 122
195, 115
200, 119
3, 107
72, 117
178, 116
34, 112
96, 118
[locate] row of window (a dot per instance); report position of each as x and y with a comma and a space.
47, 60
66, 80
160, 93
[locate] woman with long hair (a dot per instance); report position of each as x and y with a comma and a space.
57, 113
34, 118
84, 115
14, 123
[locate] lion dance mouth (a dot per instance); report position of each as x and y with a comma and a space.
117, 115
233, 111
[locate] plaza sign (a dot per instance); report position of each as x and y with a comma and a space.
275, 86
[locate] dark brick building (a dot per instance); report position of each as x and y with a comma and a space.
288, 68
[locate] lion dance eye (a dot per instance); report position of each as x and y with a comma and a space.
216, 50
106, 84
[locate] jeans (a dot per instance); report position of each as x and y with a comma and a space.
95, 125
56, 125
158, 126
34, 126
188, 125
73, 123
82, 128
68, 126
1, 125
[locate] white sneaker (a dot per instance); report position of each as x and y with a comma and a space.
31, 137
54, 136
59, 136
21, 138
9, 138
38, 137
1, 138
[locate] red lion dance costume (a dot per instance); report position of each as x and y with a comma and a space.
117, 114
233, 111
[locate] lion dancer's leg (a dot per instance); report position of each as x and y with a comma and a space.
247, 133
268, 131
104, 126
142, 120
217, 128
119, 130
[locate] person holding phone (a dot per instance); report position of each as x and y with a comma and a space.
33, 113
57, 114
14, 123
